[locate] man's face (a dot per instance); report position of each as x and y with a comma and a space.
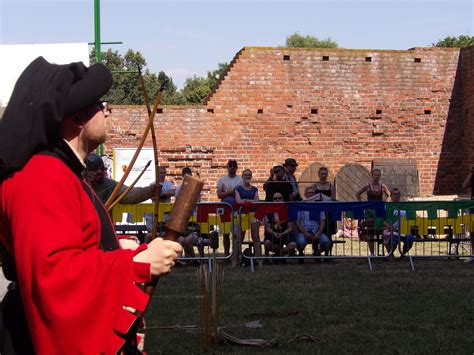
232, 168
95, 176
95, 127
291, 168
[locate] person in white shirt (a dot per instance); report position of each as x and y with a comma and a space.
226, 193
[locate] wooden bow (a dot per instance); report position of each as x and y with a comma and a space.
139, 148
156, 209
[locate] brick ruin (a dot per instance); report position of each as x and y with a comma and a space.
333, 106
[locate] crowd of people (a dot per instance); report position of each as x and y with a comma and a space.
280, 238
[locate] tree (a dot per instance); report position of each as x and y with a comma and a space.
196, 89
299, 41
457, 42
127, 89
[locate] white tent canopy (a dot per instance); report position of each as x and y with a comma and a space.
14, 59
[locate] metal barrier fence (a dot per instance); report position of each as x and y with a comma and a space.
351, 230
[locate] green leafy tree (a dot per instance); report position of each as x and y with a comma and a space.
197, 88
127, 88
457, 42
299, 41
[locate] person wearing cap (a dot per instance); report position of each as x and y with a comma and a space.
75, 285
103, 186
290, 168
226, 193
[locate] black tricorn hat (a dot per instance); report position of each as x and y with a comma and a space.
89, 86
43, 96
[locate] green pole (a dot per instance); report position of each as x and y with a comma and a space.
97, 30
100, 148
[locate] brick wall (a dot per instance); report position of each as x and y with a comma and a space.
333, 106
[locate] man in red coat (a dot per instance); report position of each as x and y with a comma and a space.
76, 282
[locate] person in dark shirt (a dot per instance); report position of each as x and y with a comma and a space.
278, 184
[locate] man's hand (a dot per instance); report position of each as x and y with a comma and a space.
161, 255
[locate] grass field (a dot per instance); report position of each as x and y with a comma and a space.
345, 307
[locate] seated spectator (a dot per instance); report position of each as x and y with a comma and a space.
312, 231
167, 191
167, 187
278, 238
391, 230
278, 184
248, 192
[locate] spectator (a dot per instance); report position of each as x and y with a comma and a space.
326, 188
248, 192
167, 187
278, 238
375, 191
312, 231
469, 183
290, 168
391, 230
278, 184
269, 180
103, 186
226, 193
192, 238
185, 171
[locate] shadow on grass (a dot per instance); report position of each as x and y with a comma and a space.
391, 310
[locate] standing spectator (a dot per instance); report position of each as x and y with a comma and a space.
326, 188
248, 192
290, 168
278, 184
103, 186
375, 191
226, 193
269, 180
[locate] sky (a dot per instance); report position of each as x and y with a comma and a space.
186, 38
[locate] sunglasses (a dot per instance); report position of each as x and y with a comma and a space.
277, 198
232, 166
104, 106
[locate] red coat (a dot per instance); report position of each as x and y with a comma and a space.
73, 292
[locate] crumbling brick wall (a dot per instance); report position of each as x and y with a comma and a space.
333, 106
